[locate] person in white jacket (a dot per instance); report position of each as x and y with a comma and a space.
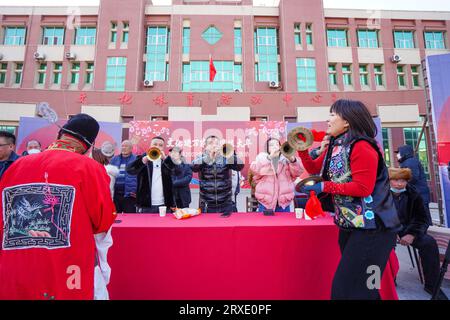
103, 241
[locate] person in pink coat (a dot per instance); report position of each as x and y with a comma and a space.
275, 175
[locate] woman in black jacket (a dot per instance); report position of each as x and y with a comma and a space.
181, 178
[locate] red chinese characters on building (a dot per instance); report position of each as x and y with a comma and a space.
160, 100
225, 99
125, 98
317, 98
82, 98
287, 98
334, 97
256, 100
190, 100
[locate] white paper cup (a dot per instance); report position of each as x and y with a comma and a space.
162, 211
299, 213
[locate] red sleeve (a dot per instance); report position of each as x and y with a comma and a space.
363, 164
312, 166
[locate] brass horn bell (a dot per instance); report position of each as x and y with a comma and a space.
300, 138
287, 150
153, 154
227, 150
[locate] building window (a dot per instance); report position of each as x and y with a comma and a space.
290, 119
267, 68
237, 41
309, 35
156, 66
125, 32
378, 70
411, 136
14, 36
332, 74
113, 38
85, 35
18, 73
212, 35
306, 75
53, 36
57, 69
434, 40
404, 39
3, 69
363, 75
415, 73
401, 76
186, 40
116, 70
386, 146
297, 34
42, 73
9, 129
89, 72
337, 38
75, 73
367, 38
347, 74
227, 79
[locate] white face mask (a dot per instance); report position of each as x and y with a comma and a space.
34, 151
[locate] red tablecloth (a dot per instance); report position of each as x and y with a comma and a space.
246, 256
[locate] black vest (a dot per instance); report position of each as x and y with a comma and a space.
355, 212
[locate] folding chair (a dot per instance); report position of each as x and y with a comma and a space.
251, 204
418, 263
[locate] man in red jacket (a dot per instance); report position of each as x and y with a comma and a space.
52, 205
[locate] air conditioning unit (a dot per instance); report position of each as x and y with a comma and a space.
148, 83
396, 58
274, 84
70, 56
39, 56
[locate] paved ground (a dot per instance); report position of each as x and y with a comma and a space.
408, 281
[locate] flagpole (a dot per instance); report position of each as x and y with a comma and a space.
209, 68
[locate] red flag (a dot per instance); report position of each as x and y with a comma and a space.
212, 70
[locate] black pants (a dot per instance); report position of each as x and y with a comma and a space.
429, 256
360, 250
124, 204
225, 208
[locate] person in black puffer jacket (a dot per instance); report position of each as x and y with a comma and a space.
407, 159
181, 178
215, 177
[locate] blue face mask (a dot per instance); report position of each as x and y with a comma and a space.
395, 190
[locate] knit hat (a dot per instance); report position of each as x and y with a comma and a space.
400, 173
82, 127
108, 149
